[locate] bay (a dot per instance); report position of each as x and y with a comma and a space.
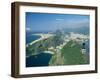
41, 59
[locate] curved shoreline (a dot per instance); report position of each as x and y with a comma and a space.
49, 52
43, 36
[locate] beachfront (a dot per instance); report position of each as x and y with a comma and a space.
43, 36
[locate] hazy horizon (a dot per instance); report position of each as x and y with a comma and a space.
36, 22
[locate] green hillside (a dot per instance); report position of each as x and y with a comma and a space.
72, 54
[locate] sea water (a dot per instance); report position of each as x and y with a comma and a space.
41, 59
31, 37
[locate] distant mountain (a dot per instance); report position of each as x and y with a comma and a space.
82, 30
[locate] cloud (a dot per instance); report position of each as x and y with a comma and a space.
77, 23
59, 19
28, 29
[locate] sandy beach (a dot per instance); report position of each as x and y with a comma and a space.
51, 52
43, 36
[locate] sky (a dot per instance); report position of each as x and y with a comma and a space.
50, 22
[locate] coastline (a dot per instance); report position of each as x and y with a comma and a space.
66, 40
43, 36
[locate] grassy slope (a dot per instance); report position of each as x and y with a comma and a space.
53, 60
72, 54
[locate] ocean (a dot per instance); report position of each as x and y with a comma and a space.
30, 37
42, 59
